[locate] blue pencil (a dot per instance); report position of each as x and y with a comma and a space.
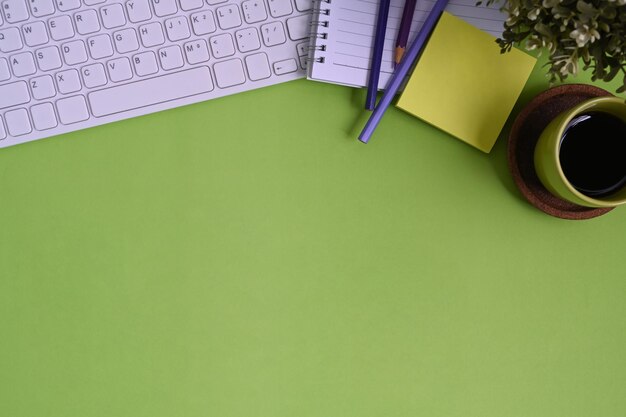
377, 54
402, 70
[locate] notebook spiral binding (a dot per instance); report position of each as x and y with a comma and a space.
318, 32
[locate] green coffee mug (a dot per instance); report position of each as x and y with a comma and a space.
548, 153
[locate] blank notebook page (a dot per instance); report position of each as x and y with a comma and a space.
350, 36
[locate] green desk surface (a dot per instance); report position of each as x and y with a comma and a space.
248, 257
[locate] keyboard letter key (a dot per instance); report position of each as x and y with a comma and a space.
187, 5
61, 28
94, 76
203, 23
35, 34
145, 63
228, 16
48, 58
87, 22
113, 16
164, 7
42, 87
23, 64
10, 40
138, 10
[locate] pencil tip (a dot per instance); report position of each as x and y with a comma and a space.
399, 54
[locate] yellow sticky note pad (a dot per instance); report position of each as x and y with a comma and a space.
463, 85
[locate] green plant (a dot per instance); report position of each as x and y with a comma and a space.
592, 32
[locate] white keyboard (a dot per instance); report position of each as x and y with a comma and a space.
71, 64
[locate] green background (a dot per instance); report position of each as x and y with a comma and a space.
248, 257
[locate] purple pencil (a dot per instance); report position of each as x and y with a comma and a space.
412, 54
377, 54
405, 28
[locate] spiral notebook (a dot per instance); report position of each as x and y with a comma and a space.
343, 37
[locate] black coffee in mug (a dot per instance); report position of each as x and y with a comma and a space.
593, 153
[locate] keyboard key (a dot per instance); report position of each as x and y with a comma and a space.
229, 73
10, 40
164, 7
112, 16
61, 28
74, 52
228, 16
286, 66
187, 5
119, 69
222, 45
138, 10
67, 5
68, 81
87, 22
151, 91
18, 123
145, 64
258, 66
72, 109
196, 51
5, 74
280, 8
48, 58
100, 46
151, 35
3, 132
302, 48
42, 87
171, 57
23, 64
203, 23
214, 2
304, 5
254, 11
15, 10
93, 2
13, 94
248, 40
40, 8
273, 34
35, 34
94, 75
43, 116
298, 27
177, 28
126, 41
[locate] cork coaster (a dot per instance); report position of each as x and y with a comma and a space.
524, 136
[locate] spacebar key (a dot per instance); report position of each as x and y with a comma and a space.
156, 90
